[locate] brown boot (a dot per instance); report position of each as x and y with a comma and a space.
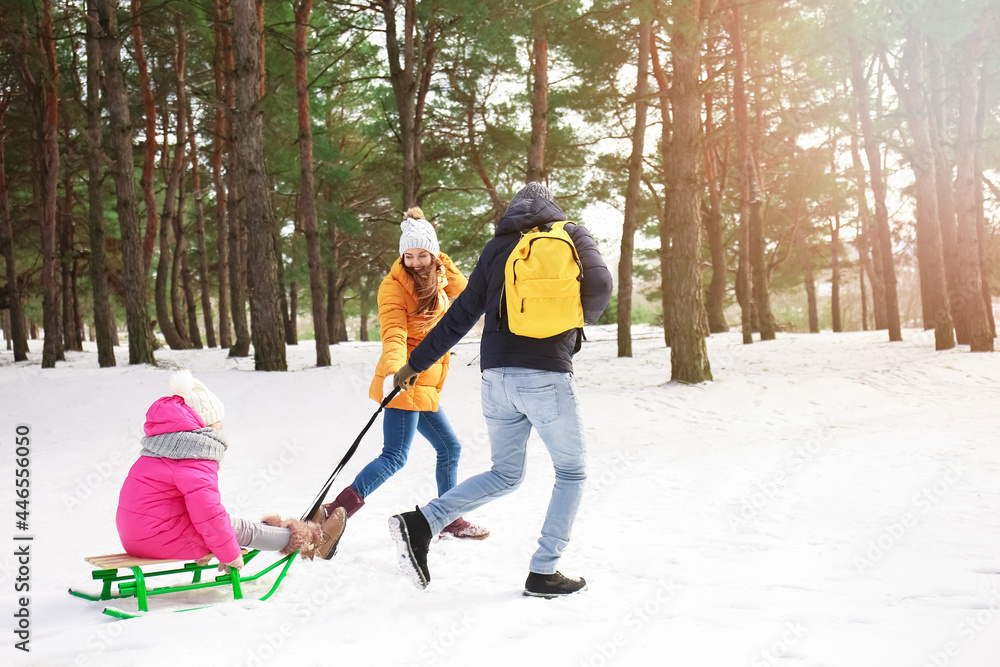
349, 499
332, 529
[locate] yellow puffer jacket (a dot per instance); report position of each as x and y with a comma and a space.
403, 329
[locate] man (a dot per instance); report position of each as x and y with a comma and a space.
527, 382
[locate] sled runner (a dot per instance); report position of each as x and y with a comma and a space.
130, 574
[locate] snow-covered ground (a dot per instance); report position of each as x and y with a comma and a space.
829, 500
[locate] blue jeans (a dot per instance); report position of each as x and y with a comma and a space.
398, 429
514, 401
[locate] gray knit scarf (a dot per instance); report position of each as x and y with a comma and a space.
203, 443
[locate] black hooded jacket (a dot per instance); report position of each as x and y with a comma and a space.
499, 346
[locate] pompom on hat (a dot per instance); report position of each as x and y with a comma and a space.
197, 397
416, 232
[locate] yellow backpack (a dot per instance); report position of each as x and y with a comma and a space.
542, 284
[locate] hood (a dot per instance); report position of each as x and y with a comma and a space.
171, 414
528, 213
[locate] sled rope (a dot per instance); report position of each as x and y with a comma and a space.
347, 457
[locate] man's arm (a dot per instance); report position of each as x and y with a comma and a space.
463, 314
596, 284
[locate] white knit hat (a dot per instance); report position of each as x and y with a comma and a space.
417, 233
197, 396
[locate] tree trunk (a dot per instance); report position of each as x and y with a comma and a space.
17, 332
760, 271
292, 326
943, 180
149, 126
401, 76
985, 261
191, 305
884, 242
178, 268
410, 81
472, 139
236, 209
665, 254
759, 274
744, 294
307, 191
220, 146
235, 216
338, 318
199, 215
181, 294
162, 292
286, 319
540, 101
937, 311
167, 314
72, 335
632, 189
715, 302
335, 321
364, 297
265, 314
867, 239
835, 273
862, 252
809, 278
185, 301
140, 339
688, 353
42, 85
103, 323
970, 288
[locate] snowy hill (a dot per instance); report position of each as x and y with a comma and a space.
829, 500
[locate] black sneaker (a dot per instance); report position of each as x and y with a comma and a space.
550, 586
412, 534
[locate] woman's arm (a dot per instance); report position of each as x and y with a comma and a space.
392, 316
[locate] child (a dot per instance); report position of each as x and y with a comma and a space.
170, 507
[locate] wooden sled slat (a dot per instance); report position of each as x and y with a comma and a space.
109, 561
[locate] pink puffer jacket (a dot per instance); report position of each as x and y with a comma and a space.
171, 508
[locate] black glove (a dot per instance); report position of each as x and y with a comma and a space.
404, 378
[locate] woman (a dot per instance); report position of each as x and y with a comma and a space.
411, 300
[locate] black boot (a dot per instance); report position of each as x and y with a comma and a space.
550, 586
412, 534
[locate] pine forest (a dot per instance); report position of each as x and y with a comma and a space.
232, 173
